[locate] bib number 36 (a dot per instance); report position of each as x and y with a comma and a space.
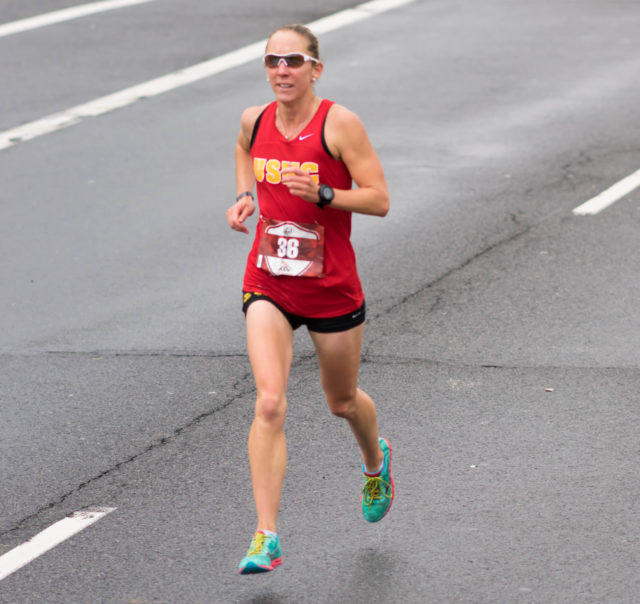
288, 247
291, 249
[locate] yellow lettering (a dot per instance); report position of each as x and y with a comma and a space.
273, 171
312, 169
258, 168
290, 164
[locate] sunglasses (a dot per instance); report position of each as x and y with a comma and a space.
293, 59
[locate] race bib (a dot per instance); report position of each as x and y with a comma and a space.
291, 249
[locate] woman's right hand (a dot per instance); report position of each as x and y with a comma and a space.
239, 212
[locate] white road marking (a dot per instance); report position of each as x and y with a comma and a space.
66, 14
62, 530
236, 58
125, 97
611, 195
352, 15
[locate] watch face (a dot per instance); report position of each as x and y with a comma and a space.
326, 193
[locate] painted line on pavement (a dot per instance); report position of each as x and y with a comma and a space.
177, 79
65, 14
609, 196
62, 530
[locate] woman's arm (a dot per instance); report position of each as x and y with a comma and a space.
347, 140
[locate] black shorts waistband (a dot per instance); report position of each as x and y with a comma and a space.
320, 325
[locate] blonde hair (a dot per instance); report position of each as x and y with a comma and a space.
313, 47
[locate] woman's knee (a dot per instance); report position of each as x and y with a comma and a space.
271, 408
342, 406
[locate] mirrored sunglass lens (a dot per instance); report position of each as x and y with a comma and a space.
294, 60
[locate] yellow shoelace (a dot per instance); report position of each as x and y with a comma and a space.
257, 544
374, 488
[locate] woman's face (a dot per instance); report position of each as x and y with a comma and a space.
291, 83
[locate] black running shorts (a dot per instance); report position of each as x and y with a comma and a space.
321, 325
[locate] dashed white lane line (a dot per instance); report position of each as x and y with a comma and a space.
62, 530
174, 80
66, 14
610, 196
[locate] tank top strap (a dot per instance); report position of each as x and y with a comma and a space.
269, 113
317, 122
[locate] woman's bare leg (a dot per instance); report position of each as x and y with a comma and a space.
339, 359
270, 344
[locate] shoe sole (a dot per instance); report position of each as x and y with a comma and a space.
251, 568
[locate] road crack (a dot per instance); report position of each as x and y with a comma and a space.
431, 284
240, 391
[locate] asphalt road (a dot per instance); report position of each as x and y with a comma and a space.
502, 339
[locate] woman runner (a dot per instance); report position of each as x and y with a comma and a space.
302, 154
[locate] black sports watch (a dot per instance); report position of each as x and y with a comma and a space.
326, 195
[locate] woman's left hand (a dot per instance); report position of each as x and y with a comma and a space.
300, 184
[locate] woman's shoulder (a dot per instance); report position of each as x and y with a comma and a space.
250, 115
343, 119
248, 122
343, 128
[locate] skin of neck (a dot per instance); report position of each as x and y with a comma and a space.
297, 111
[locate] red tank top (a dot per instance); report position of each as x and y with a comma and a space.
339, 291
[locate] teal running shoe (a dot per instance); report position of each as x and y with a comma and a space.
264, 555
378, 491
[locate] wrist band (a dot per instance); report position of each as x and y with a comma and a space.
244, 194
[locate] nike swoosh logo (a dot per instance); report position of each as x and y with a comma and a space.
301, 138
